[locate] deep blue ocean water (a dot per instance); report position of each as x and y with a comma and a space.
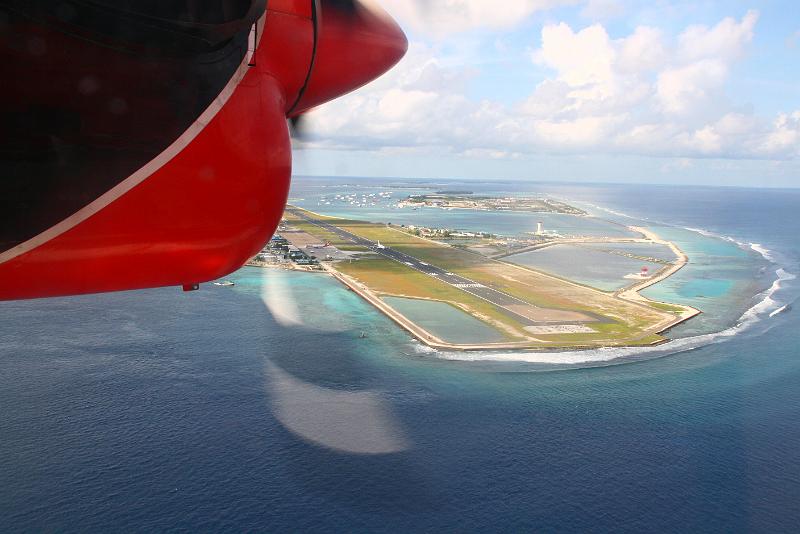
259, 408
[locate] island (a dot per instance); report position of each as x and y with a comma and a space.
486, 302
449, 200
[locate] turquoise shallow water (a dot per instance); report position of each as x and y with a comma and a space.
708, 288
721, 279
445, 321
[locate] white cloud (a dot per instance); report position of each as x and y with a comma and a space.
582, 132
642, 51
647, 93
444, 17
784, 135
686, 88
581, 58
417, 104
726, 41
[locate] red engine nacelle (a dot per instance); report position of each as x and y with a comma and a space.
207, 201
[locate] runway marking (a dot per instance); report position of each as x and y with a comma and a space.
396, 255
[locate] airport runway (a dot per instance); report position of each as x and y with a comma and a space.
498, 298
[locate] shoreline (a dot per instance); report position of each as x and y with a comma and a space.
486, 210
434, 342
629, 294
632, 292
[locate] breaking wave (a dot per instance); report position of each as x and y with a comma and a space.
766, 253
422, 349
767, 306
614, 212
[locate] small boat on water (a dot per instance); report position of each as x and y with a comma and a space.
224, 283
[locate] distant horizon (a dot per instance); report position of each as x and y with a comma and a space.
548, 182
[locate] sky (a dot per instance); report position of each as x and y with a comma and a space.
576, 90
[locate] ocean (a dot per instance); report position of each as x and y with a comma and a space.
260, 407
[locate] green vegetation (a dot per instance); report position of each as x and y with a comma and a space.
667, 307
388, 277
323, 235
551, 299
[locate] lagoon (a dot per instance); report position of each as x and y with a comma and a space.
445, 321
584, 265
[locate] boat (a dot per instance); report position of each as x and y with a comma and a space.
224, 283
